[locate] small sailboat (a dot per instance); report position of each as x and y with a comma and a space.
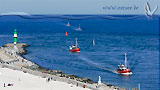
93, 42
79, 28
74, 48
68, 24
123, 69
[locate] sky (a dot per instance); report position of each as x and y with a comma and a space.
77, 6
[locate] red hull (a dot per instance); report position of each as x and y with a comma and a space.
124, 71
67, 25
75, 50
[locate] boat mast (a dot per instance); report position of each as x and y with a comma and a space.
76, 43
126, 60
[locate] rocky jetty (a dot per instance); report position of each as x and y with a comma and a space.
20, 47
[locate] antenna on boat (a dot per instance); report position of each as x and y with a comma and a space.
76, 43
125, 60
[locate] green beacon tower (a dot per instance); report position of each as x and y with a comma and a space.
15, 36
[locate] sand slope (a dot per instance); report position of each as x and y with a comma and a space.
25, 81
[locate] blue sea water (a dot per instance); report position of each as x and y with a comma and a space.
139, 38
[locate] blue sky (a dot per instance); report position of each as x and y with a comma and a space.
75, 6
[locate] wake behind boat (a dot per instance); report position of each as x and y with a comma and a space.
123, 69
74, 48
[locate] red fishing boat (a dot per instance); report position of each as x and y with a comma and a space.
123, 69
74, 48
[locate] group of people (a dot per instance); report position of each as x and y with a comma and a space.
9, 84
48, 79
12, 52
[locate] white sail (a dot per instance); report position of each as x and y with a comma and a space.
93, 42
68, 23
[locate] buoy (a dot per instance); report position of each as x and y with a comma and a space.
66, 34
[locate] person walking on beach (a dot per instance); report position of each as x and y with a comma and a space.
77, 84
48, 79
4, 85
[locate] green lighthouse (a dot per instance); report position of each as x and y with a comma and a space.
15, 36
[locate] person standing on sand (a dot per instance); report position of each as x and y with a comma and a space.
77, 84
4, 85
83, 86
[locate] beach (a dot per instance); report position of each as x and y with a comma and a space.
25, 81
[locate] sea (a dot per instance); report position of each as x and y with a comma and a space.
114, 35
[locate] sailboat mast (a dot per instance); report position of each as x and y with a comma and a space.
126, 60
